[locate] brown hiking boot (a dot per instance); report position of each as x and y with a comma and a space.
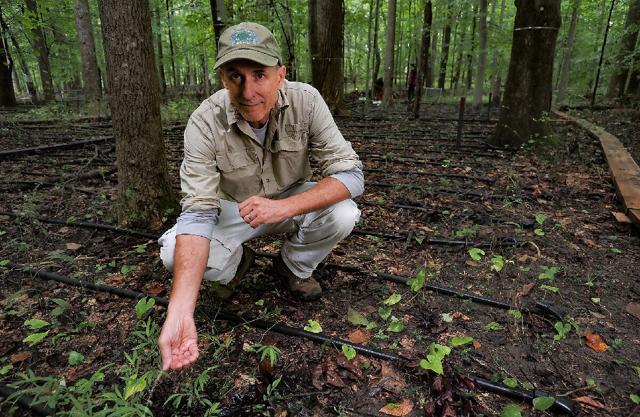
306, 289
223, 291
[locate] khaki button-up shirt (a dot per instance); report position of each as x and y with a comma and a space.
224, 159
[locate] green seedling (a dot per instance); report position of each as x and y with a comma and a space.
384, 312
392, 300
143, 306
467, 232
396, 325
313, 327
35, 338
436, 354
476, 253
36, 324
516, 314
259, 303
497, 263
141, 248
75, 358
540, 218
373, 238
125, 269
6, 369
548, 273
550, 288
543, 403
510, 382
493, 326
419, 238
4, 262
266, 351
511, 410
447, 317
562, 330
62, 306
417, 282
356, 318
637, 370
635, 398
595, 300
134, 385
349, 352
460, 341
538, 232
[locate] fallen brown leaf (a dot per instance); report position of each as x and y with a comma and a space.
398, 409
633, 309
589, 243
525, 290
621, 217
590, 402
20, 357
391, 380
476, 345
155, 291
73, 246
460, 316
471, 262
359, 337
595, 342
316, 377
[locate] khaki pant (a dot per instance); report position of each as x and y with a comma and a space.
309, 238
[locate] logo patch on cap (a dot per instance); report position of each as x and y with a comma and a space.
244, 37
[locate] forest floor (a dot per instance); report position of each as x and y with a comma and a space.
546, 224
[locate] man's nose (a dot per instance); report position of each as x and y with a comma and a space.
248, 89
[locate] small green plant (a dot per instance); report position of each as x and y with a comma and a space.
396, 325
635, 398
516, 314
467, 232
143, 306
349, 352
476, 253
266, 351
416, 283
4, 263
562, 329
75, 358
543, 403
510, 382
550, 288
460, 341
436, 354
392, 299
313, 326
125, 269
497, 263
511, 410
548, 273
141, 248
62, 306
375, 239
493, 326
356, 318
384, 312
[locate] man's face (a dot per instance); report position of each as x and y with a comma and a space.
253, 88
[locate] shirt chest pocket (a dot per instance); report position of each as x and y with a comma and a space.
293, 138
232, 161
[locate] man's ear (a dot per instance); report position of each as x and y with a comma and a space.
222, 77
282, 74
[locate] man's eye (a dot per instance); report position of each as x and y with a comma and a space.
260, 75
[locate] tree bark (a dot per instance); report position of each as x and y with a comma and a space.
376, 49
369, 47
7, 93
627, 44
219, 16
23, 64
571, 37
529, 85
144, 190
387, 94
326, 21
171, 54
286, 25
163, 79
496, 79
446, 38
473, 47
423, 68
42, 51
431, 71
482, 55
458, 65
90, 73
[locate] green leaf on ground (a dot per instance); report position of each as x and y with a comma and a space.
516, 314
349, 352
497, 263
384, 312
635, 398
75, 358
313, 327
133, 386
4, 262
550, 288
418, 282
493, 326
511, 410
460, 341
5, 369
35, 324
540, 218
35, 338
144, 304
356, 318
396, 326
548, 273
543, 403
392, 299
510, 382
476, 253
538, 232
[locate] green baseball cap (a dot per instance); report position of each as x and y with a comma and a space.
248, 41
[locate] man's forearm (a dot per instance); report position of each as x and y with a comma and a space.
325, 193
190, 261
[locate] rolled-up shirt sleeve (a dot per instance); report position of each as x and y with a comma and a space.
353, 179
197, 223
199, 176
327, 145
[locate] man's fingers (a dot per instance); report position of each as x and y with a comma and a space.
165, 353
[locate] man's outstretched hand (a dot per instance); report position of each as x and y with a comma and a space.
178, 342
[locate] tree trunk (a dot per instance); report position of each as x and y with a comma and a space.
496, 79
219, 16
473, 47
90, 73
42, 52
376, 49
286, 25
482, 55
458, 65
144, 190
387, 94
423, 68
7, 94
205, 72
23, 64
163, 79
627, 44
369, 46
171, 54
446, 38
571, 37
431, 71
529, 86
326, 20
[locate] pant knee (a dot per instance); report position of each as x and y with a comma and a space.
344, 217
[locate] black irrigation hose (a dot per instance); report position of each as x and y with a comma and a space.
36, 149
560, 405
25, 401
432, 174
435, 190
